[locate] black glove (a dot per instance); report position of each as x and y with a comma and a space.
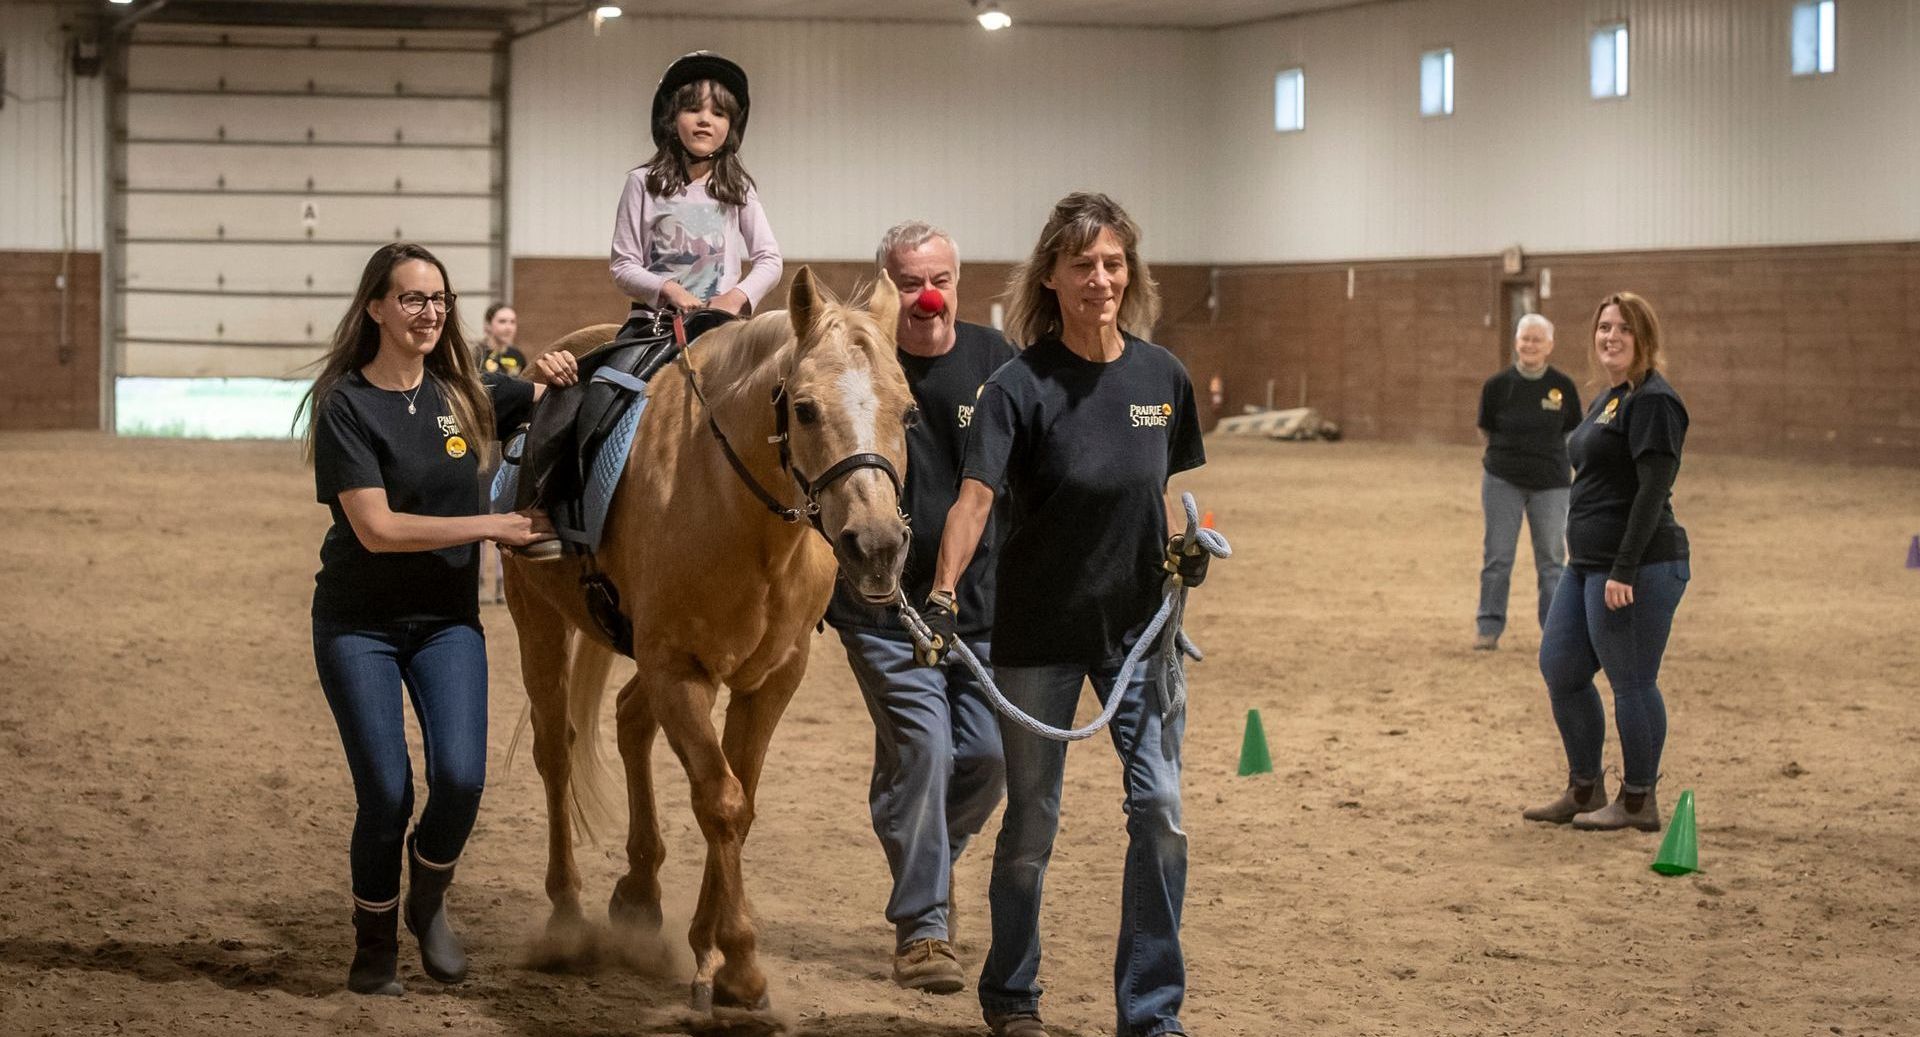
1190, 568
943, 623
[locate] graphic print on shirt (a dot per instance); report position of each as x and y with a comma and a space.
456, 444
1149, 415
1613, 406
1553, 400
687, 241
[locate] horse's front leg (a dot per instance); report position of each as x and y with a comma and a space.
545, 665
683, 705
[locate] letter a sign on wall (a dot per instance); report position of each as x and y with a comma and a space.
309, 215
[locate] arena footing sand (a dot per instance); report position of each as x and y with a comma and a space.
175, 811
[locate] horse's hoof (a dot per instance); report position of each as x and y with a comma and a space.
629, 914
702, 999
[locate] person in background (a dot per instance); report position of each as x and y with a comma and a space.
1526, 413
499, 355
1629, 564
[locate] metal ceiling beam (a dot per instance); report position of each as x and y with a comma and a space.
322, 15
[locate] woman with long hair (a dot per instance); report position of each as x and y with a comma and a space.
399, 425
1080, 432
1629, 563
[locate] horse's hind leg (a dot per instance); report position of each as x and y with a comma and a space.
636, 897
683, 705
545, 662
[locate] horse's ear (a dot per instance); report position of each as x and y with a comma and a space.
803, 302
884, 303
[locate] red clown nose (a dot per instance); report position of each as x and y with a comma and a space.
929, 303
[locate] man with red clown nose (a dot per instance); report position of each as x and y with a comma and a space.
937, 768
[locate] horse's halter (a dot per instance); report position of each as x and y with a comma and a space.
810, 489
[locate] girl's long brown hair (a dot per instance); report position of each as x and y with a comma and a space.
667, 169
450, 366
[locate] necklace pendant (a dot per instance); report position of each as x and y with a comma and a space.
410, 409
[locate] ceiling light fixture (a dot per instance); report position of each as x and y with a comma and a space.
990, 16
607, 11
120, 1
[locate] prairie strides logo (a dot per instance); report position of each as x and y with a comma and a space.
1149, 415
964, 415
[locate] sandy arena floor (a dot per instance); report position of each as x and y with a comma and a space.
175, 807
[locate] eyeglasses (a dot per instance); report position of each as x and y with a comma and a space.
411, 303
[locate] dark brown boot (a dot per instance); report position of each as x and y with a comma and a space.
1575, 800
426, 913
376, 952
1628, 810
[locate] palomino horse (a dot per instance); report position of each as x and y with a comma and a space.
719, 591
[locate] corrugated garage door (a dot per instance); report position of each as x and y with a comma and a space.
258, 168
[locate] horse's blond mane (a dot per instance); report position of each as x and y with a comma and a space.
761, 351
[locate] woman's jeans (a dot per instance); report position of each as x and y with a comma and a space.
1583, 637
1149, 972
443, 667
1546, 513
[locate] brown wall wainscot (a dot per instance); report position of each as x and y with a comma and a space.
50, 384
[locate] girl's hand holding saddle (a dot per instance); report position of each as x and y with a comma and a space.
522, 528
555, 367
733, 301
678, 297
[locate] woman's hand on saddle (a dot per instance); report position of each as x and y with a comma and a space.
522, 528
678, 297
556, 367
733, 301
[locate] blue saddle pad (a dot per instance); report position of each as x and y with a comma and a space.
602, 478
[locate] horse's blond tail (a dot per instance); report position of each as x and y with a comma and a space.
593, 800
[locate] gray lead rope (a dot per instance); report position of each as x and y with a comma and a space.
1173, 671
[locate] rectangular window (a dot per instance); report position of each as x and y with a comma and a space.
1436, 82
1813, 38
1608, 49
1290, 101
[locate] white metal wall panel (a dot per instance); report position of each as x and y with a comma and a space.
33, 124
858, 126
262, 167
1716, 144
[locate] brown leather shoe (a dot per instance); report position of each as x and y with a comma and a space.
929, 965
1020, 1024
1570, 803
1615, 815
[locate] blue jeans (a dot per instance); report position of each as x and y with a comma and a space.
443, 667
1583, 637
937, 771
1546, 515
1149, 971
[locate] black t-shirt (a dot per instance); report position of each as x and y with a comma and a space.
509, 361
1082, 452
364, 437
946, 388
1619, 427
1526, 421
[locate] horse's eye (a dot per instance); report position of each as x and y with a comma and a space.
911, 417
806, 412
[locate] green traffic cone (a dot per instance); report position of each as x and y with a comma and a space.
1253, 748
1679, 851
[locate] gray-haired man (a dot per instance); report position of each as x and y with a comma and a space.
937, 768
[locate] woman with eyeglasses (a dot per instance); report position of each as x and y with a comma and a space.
400, 423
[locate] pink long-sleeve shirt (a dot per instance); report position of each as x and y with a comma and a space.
694, 239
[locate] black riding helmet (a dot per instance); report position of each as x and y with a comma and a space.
692, 68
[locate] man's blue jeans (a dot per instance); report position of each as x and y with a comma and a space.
1583, 637
1149, 971
443, 668
937, 771
1546, 515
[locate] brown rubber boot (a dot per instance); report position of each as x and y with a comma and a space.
1628, 810
1019, 1024
1575, 800
376, 952
928, 965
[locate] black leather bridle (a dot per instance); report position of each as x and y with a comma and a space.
810, 489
